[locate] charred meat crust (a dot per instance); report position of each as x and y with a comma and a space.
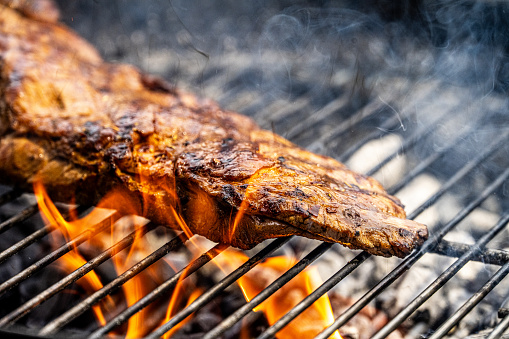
85, 127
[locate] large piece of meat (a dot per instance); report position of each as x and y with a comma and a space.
85, 127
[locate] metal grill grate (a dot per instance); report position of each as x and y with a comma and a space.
469, 160
436, 244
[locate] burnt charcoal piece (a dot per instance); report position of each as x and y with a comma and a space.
84, 127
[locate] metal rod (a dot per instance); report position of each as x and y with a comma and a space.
412, 258
285, 111
158, 292
35, 236
413, 139
84, 305
499, 330
441, 280
390, 124
486, 256
494, 146
268, 291
28, 306
219, 287
445, 247
275, 107
423, 164
318, 116
314, 296
20, 217
367, 111
471, 303
51, 257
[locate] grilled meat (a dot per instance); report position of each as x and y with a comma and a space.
85, 127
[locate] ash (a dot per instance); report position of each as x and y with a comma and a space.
309, 70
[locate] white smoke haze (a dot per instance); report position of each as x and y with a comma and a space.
415, 63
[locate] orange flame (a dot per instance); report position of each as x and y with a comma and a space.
133, 288
308, 324
73, 259
172, 311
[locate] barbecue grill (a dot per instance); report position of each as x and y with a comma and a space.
460, 142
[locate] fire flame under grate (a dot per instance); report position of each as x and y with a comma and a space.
397, 129
436, 245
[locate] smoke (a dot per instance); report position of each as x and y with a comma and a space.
303, 68
463, 43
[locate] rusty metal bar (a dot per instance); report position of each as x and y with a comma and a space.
28, 306
413, 139
35, 236
423, 164
315, 295
471, 303
51, 257
412, 258
499, 330
159, 291
441, 280
20, 217
55, 325
268, 291
219, 287
486, 256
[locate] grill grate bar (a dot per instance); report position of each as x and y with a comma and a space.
441, 280
219, 287
390, 124
315, 295
268, 291
445, 247
336, 105
318, 117
277, 108
306, 303
412, 258
40, 264
285, 111
20, 217
159, 291
412, 141
423, 164
78, 309
494, 146
471, 302
500, 328
369, 110
72, 277
35, 236
486, 256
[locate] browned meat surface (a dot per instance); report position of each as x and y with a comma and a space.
85, 127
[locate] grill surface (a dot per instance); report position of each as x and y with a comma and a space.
460, 141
